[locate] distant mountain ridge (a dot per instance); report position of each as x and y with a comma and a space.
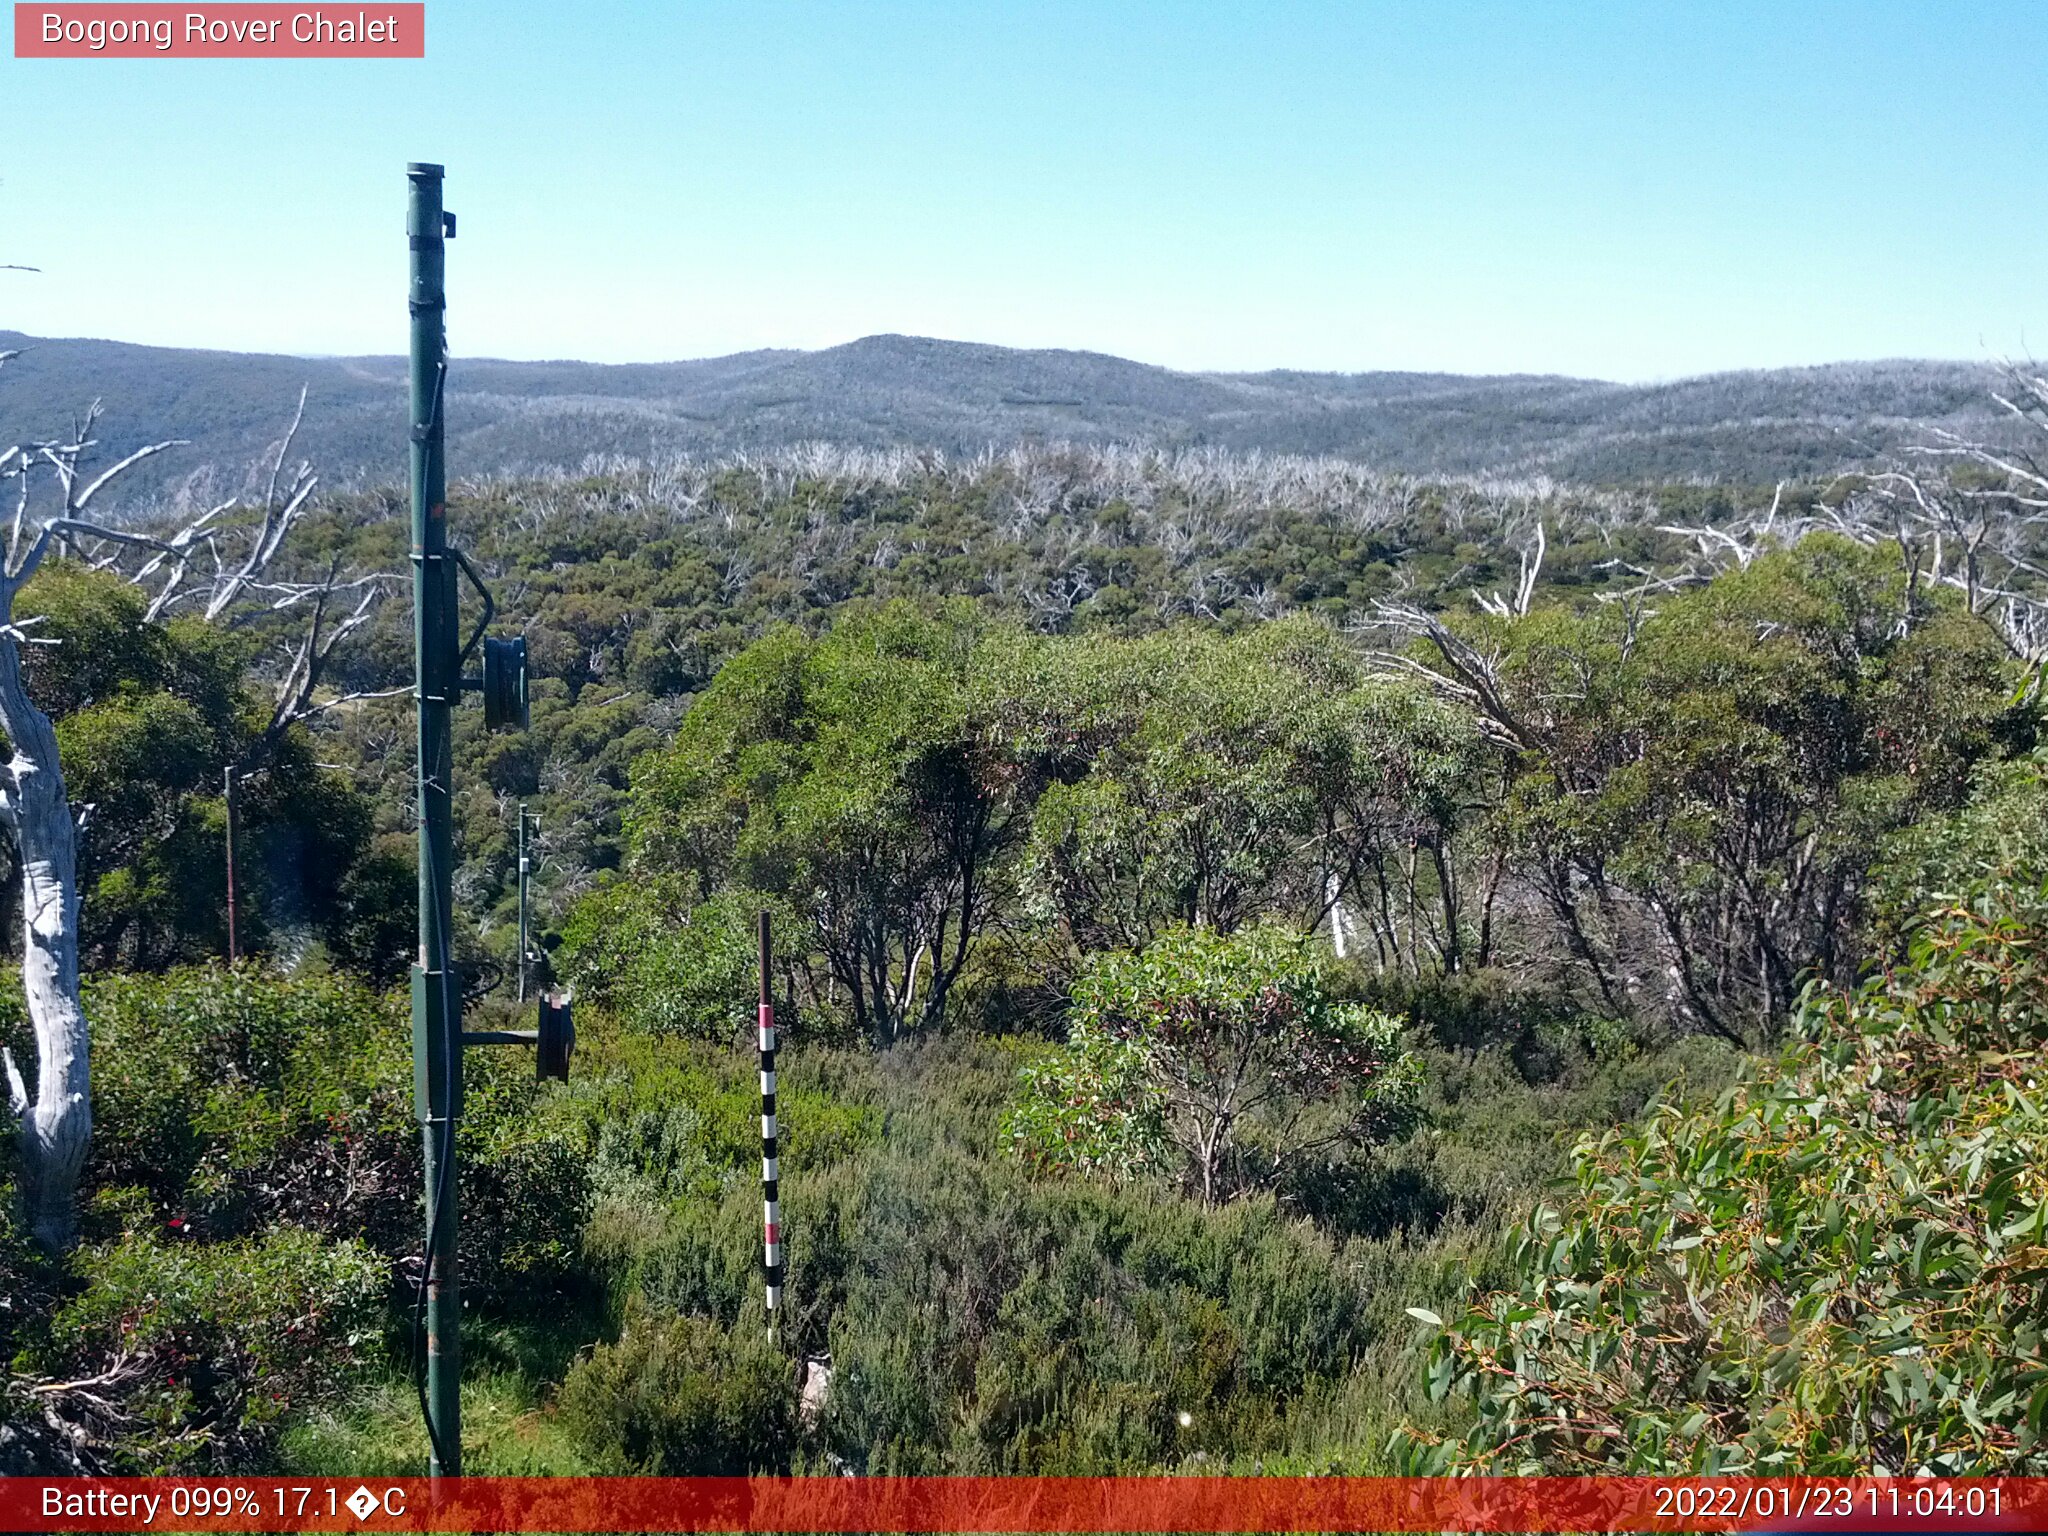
1751, 427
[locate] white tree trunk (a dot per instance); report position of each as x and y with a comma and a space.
55, 1121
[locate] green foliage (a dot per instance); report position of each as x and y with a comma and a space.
1707, 782
684, 1396
979, 1320
106, 651
666, 967
28, 1280
861, 779
234, 1099
666, 1120
148, 715
992, 1325
1093, 1107
206, 1347
372, 926
636, 586
254, 1187
526, 1187
931, 791
1999, 834
611, 929
1220, 1058
1837, 1267
1220, 781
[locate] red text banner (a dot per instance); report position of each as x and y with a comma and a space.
236, 31
1024, 1504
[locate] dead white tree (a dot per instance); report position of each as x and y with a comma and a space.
1502, 606
227, 574
54, 1120
191, 565
1973, 516
1965, 515
1463, 671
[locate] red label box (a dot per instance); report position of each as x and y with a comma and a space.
367, 29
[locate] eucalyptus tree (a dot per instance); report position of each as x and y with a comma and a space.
914, 783
1218, 781
865, 779
1219, 1061
1697, 782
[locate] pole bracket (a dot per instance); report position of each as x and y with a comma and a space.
490, 612
552, 1042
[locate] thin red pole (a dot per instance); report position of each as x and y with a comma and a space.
231, 777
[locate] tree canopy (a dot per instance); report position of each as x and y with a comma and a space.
149, 715
1702, 782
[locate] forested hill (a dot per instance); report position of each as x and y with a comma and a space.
1753, 427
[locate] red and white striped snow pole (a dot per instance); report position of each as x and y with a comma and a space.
771, 1205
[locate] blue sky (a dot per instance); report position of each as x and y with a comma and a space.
1628, 191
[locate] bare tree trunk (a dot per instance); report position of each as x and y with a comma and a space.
1447, 896
55, 1124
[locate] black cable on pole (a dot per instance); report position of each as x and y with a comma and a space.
419, 1302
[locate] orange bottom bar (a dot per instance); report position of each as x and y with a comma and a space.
1025, 1504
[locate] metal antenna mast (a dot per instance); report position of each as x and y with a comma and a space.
439, 658
436, 998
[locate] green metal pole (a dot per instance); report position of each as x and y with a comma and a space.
436, 998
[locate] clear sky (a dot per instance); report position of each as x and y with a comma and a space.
1628, 191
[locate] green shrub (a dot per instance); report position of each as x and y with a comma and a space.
666, 966
666, 1119
984, 1322
1093, 1107
26, 1275
1837, 1268
1999, 836
1475, 1010
526, 1185
238, 1099
1217, 1058
196, 1351
254, 1185
685, 1396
